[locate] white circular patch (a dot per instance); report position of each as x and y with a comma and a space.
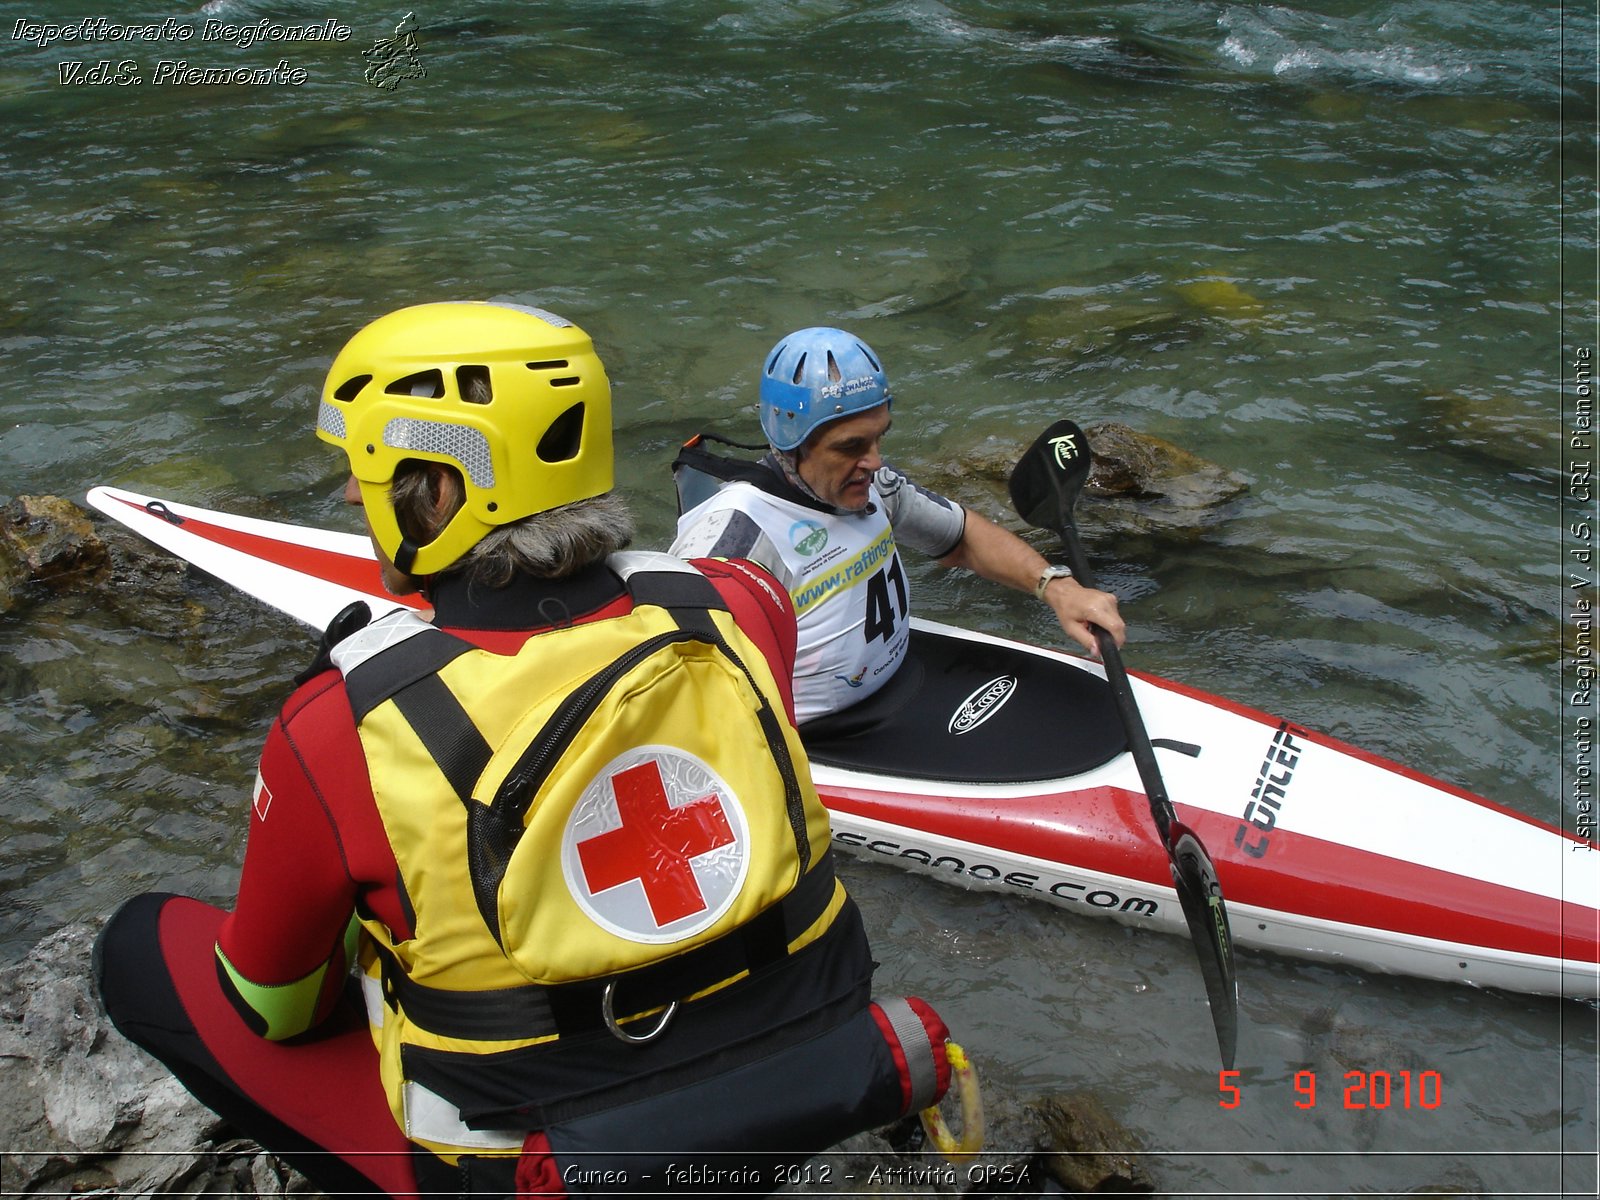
657, 847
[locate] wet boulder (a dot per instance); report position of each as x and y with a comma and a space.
1154, 483
1085, 1149
51, 548
1138, 483
45, 540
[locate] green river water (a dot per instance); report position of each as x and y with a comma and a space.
1345, 250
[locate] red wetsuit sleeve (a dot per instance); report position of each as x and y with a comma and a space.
762, 609
296, 889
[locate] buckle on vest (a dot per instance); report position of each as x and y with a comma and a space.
608, 1015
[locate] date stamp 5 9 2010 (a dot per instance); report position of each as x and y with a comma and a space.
1376, 1090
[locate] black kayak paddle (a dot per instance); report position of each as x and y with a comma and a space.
1044, 489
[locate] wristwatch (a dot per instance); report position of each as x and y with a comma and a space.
1053, 571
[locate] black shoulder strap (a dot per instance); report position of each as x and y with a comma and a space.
407, 672
396, 667
693, 458
688, 597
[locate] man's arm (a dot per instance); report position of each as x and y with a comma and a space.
1000, 555
283, 951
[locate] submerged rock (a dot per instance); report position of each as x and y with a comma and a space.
1081, 331
45, 540
1221, 298
1505, 431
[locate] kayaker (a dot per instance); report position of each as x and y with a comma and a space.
826, 514
598, 936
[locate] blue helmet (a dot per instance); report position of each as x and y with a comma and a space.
814, 376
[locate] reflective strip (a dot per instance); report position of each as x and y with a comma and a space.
379, 635
921, 1070
459, 443
628, 563
372, 995
549, 318
432, 1118
330, 420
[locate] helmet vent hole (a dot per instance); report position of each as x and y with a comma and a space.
473, 384
800, 369
549, 364
867, 354
564, 438
428, 384
351, 388
834, 374
567, 381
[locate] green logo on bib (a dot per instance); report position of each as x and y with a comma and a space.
808, 537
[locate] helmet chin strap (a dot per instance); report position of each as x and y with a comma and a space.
405, 555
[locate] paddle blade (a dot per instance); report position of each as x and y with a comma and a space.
1200, 894
1044, 484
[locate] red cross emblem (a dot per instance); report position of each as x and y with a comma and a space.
655, 843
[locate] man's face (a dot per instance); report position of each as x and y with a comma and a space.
838, 461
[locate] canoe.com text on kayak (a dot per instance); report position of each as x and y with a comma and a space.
1062, 890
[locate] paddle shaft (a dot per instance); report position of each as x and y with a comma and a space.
1144, 755
1202, 905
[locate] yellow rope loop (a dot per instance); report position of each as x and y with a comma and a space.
964, 1080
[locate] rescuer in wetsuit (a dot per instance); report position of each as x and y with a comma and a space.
537, 897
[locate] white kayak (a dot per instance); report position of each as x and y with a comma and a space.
996, 764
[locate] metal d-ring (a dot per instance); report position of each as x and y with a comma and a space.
637, 1039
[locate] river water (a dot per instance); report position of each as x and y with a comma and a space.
1344, 251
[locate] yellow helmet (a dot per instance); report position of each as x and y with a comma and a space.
514, 398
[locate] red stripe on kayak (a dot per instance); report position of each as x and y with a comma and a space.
1104, 829
1357, 887
357, 572
1109, 831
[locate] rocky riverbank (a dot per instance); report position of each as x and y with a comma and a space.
86, 1112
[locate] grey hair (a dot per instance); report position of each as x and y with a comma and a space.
560, 541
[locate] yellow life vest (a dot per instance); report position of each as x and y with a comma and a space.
614, 821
